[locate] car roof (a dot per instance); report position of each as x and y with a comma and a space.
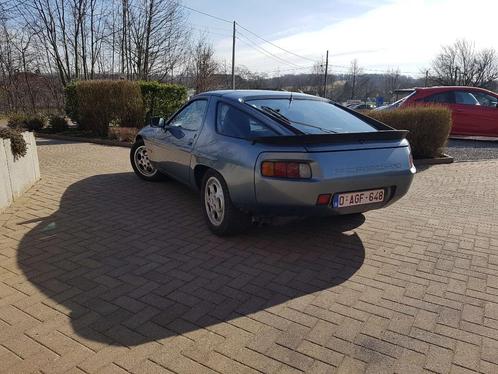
242, 95
451, 88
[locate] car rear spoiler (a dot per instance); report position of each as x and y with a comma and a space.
333, 138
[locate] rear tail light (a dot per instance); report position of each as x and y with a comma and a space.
323, 199
286, 169
410, 160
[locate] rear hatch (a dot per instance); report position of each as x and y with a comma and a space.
340, 163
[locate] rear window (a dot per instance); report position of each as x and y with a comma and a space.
313, 116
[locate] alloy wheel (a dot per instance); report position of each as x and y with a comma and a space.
143, 163
215, 201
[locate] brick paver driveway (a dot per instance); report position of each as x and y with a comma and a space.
102, 272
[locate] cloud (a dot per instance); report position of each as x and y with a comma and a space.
403, 33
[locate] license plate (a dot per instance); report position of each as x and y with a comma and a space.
342, 200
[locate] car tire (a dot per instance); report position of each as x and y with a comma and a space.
141, 164
222, 217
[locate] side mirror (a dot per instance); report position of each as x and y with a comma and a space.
156, 122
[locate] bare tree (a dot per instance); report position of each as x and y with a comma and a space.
203, 65
317, 77
461, 64
354, 71
392, 80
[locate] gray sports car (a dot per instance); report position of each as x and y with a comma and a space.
258, 154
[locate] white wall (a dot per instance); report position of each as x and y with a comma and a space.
16, 176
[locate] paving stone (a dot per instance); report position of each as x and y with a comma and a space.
101, 272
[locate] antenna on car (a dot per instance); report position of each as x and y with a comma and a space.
290, 99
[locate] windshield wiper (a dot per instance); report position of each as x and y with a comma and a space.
276, 113
316, 127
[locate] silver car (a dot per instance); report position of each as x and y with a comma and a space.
258, 154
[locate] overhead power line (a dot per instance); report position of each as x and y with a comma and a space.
276, 46
206, 14
254, 45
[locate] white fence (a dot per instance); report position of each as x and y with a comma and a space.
17, 176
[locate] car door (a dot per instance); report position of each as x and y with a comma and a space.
488, 109
466, 113
174, 143
447, 99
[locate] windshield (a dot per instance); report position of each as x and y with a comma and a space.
396, 104
312, 116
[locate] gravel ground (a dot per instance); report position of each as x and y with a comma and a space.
469, 150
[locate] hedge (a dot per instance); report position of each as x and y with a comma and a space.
161, 99
96, 104
93, 104
429, 127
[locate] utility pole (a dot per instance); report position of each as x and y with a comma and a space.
233, 58
426, 78
326, 72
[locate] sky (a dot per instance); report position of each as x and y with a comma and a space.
381, 35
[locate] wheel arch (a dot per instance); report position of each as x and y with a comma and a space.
199, 171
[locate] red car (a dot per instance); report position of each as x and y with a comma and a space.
475, 110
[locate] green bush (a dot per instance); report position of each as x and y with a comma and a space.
71, 101
161, 99
31, 122
17, 142
58, 123
95, 104
429, 127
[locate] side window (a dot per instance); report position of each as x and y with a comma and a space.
485, 99
441, 98
464, 97
190, 118
233, 122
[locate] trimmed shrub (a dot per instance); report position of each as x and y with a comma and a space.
31, 122
58, 123
100, 102
17, 142
161, 99
429, 127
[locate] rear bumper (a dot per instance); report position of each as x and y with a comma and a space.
334, 173
297, 198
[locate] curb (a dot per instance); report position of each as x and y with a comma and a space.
444, 159
475, 138
115, 143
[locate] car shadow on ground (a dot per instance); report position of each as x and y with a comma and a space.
134, 262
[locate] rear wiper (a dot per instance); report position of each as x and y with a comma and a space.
316, 127
276, 113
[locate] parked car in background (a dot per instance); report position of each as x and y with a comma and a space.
273, 153
474, 110
362, 106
